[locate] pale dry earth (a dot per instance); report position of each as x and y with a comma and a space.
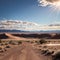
25, 51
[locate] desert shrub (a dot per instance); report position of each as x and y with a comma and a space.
1, 44
49, 53
1, 51
7, 46
44, 51
5, 49
6, 43
42, 41
27, 41
10, 42
0, 41
44, 46
0, 48
36, 41
19, 42
57, 56
32, 42
13, 43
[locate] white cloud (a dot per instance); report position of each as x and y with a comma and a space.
49, 2
18, 25
28, 26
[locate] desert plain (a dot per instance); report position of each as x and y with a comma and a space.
29, 46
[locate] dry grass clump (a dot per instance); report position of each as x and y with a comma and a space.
56, 56
42, 41
49, 53
6, 43
2, 50
36, 41
1, 44
46, 51
15, 42
10, 42
7, 46
19, 42
0, 41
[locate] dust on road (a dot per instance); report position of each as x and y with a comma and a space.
23, 52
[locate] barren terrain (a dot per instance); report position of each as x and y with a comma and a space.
23, 52
22, 48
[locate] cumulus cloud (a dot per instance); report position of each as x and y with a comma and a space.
48, 2
18, 25
27, 26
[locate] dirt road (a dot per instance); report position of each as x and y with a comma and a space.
23, 52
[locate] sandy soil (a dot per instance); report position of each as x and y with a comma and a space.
24, 52
28, 50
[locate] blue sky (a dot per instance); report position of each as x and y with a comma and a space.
27, 10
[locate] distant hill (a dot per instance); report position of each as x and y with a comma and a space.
19, 36
3, 36
46, 35
11, 31
29, 32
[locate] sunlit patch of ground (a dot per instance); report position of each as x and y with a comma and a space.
53, 44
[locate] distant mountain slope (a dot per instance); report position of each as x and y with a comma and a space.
42, 35
3, 36
29, 32
9, 36
11, 30
24, 36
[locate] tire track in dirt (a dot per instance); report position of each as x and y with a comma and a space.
13, 54
25, 52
